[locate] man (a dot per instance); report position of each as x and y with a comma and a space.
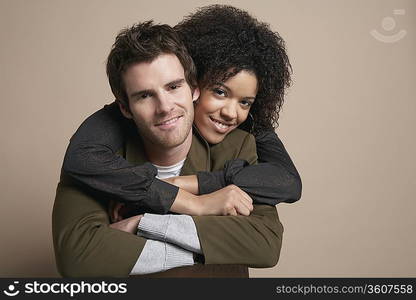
156, 80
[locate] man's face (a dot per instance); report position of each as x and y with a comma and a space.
160, 101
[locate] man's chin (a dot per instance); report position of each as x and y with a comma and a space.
169, 139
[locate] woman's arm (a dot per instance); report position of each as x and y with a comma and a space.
273, 180
91, 160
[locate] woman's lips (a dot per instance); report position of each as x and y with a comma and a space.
220, 126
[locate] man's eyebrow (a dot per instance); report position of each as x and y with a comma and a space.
139, 93
176, 82
229, 90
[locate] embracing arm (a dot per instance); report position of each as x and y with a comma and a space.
91, 160
273, 180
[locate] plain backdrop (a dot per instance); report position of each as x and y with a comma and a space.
348, 123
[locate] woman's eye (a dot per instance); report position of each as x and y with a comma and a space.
246, 103
219, 92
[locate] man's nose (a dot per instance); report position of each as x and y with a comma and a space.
165, 103
229, 110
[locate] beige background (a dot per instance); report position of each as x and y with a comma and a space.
348, 123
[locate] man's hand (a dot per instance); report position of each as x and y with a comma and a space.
230, 200
119, 211
116, 210
128, 225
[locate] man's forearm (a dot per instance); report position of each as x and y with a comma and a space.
83, 241
254, 241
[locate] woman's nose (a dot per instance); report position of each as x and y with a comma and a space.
229, 111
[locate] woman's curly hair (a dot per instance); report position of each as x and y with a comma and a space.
223, 40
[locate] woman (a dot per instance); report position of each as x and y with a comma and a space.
243, 71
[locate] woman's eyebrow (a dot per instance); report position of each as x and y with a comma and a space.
229, 90
223, 85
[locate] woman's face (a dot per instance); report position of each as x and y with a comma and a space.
224, 106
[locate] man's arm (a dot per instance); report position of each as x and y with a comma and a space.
85, 245
157, 255
254, 240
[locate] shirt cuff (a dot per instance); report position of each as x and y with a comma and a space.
158, 256
175, 229
162, 194
209, 182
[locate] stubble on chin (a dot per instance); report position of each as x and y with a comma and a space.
166, 139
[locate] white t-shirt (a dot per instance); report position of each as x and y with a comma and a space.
169, 171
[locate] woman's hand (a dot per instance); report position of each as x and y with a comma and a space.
230, 200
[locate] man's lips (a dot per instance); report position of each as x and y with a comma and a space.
168, 122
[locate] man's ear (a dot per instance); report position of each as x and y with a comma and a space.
124, 110
195, 94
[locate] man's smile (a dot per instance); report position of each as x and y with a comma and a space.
168, 123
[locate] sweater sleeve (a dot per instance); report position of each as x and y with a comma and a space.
273, 180
159, 256
179, 230
91, 160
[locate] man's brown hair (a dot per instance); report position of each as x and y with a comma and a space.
144, 42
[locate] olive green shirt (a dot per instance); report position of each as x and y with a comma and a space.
86, 246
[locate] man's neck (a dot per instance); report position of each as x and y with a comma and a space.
168, 156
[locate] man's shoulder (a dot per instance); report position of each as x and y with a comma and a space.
237, 144
237, 138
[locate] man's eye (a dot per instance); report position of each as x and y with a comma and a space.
175, 86
144, 96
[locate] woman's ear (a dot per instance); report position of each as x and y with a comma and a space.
124, 110
195, 94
